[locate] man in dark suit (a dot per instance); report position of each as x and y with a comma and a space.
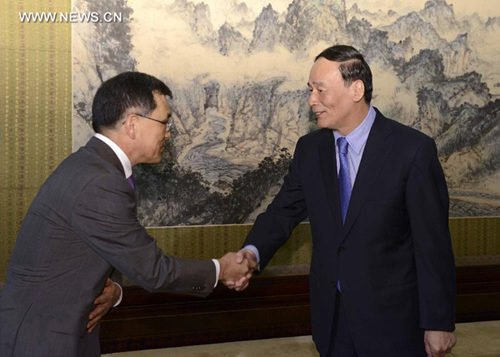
82, 226
382, 276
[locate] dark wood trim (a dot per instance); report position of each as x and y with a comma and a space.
478, 293
269, 308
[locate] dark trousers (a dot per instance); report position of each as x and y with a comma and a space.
342, 345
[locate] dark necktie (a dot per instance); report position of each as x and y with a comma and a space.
131, 181
344, 179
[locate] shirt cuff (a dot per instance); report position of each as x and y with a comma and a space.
121, 295
255, 251
217, 271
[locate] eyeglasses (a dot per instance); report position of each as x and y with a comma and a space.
164, 122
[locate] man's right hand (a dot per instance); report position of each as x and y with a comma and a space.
243, 255
234, 271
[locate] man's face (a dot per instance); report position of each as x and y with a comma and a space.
329, 98
153, 134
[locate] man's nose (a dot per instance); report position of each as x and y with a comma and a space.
312, 99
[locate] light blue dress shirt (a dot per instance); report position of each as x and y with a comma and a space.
356, 141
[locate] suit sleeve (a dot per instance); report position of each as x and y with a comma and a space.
104, 217
428, 206
273, 227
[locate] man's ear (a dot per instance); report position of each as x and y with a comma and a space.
358, 90
130, 125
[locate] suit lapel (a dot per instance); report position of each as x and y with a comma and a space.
375, 153
328, 164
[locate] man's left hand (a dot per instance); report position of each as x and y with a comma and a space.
103, 303
439, 343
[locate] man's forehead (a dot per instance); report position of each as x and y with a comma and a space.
160, 98
322, 70
159, 95
316, 83
323, 65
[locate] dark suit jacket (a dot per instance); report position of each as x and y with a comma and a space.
80, 227
393, 256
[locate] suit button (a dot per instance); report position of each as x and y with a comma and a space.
341, 249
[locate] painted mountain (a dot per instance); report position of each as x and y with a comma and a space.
240, 94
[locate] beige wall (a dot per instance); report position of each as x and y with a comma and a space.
35, 109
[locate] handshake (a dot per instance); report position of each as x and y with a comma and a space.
236, 269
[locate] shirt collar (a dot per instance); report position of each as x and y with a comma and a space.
358, 137
127, 166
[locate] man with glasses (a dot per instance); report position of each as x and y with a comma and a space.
164, 122
82, 226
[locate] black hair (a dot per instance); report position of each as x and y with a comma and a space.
122, 92
352, 66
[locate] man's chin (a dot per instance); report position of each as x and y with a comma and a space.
322, 124
326, 124
155, 160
